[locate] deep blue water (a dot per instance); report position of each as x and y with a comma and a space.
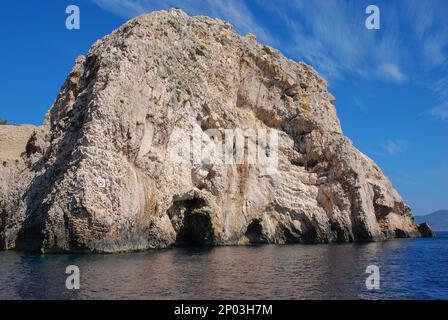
409, 269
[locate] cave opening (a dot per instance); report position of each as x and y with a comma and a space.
290, 236
191, 222
400, 233
254, 232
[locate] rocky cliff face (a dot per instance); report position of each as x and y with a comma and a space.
100, 173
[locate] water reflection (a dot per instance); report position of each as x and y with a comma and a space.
409, 269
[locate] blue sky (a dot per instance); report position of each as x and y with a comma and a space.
391, 84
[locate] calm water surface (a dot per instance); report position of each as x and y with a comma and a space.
410, 269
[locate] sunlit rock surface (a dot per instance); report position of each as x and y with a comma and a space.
115, 118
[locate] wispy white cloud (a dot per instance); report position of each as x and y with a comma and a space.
440, 111
395, 147
392, 72
441, 88
241, 16
434, 50
430, 29
125, 8
331, 36
431, 35
234, 11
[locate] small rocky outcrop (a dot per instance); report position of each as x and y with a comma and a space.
99, 174
425, 230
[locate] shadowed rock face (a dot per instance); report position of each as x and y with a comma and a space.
425, 230
115, 118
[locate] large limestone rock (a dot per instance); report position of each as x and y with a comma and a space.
118, 116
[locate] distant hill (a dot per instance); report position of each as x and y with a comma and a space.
437, 220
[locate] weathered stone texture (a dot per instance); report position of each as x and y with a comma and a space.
114, 117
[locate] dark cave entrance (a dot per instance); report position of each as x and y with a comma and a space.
400, 233
254, 232
191, 222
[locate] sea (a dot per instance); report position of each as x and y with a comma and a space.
395, 269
